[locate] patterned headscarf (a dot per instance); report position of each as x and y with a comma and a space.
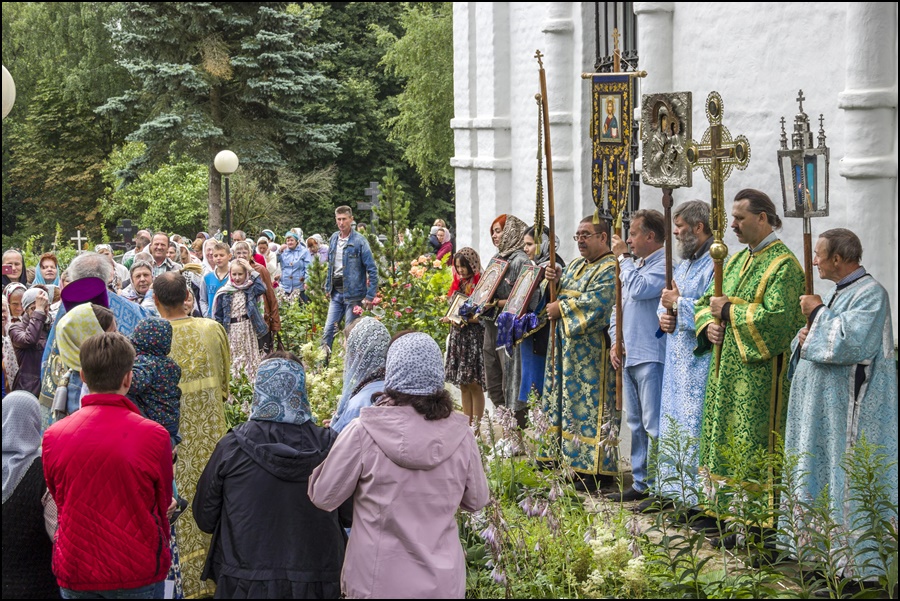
280, 393
73, 329
415, 365
21, 437
471, 257
364, 361
513, 236
152, 336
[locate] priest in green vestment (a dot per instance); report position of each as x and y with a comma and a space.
579, 394
747, 393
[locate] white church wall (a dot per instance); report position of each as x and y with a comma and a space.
756, 55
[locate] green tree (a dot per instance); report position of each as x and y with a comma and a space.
236, 75
53, 143
423, 58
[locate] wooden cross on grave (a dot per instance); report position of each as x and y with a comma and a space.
127, 230
374, 195
78, 239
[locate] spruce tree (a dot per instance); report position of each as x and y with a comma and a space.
224, 75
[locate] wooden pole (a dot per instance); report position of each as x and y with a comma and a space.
667, 205
551, 212
807, 255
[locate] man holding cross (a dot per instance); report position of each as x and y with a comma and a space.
754, 321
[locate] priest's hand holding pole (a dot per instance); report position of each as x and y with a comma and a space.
715, 333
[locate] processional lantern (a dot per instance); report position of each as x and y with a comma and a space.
804, 178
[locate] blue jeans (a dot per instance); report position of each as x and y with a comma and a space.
642, 397
150, 591
338, 308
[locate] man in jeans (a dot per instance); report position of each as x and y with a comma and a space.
352, 274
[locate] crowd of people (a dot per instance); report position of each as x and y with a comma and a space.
124, 367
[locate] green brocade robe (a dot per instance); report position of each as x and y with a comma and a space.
580, 388
748, 396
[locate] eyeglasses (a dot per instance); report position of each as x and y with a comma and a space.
580, 237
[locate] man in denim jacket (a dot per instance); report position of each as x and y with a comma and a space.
352, 274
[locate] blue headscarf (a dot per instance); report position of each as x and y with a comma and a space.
280, 393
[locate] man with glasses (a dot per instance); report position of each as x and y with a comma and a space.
643, 275
579, 397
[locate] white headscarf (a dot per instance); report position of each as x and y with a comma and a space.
21, 438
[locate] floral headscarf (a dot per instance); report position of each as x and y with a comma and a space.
73, 329
470, 257
21, 437
513, 236
366, 354
280, 393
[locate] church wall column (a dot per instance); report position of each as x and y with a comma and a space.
557, 45
870, 160
655, 47
481, 124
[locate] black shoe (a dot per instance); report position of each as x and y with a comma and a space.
706, 525
727, 542
628, 496
586, 483
654, 505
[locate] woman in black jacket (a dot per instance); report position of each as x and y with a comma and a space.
269, 541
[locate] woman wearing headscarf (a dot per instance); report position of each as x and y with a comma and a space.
446, 247
10, 363
73, 329
294, 259
29, 337
13, 294
207, 262
269, 540
409, 464
367, 345
508, 235
47, 271
14, 263
120, 272
263, 248
27, 550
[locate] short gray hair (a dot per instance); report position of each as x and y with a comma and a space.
139, 264
693, 212
844, 243
90, 265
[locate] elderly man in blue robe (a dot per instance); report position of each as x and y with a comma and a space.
684, 377
844, 377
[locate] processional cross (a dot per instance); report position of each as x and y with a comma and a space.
717, 154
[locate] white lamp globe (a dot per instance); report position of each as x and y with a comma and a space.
226, 162
9, 92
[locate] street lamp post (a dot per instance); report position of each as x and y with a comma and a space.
226, 163
9, 92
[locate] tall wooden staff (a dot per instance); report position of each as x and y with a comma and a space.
548, 155
717, 154
611, 166
804, 179
665, 126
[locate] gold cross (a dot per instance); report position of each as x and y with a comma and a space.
718, 154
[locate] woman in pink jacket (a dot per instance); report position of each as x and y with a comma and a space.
410, 462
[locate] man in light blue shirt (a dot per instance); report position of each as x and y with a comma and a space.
642, 273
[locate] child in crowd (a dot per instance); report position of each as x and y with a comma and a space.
236, 307
215, 278
154, 386
464, 366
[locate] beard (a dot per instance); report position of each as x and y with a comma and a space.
687, 244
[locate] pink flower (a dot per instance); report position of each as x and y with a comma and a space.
397, 314
408, 309
407, 286
393, 300
414, 262
357, 310
437, 264
377, 300
423, 259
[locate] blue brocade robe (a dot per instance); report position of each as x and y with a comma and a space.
684, 383
828, 409
580, 386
